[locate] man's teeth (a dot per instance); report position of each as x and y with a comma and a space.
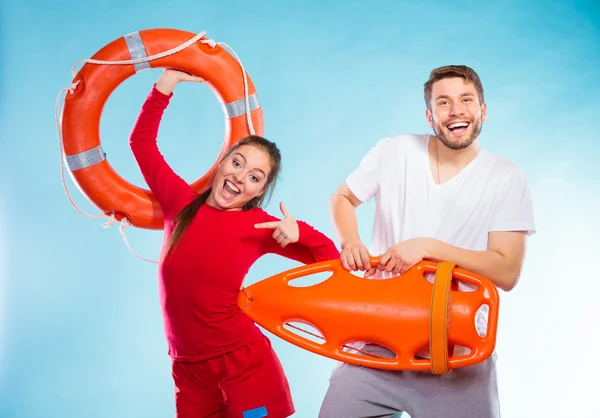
458, 125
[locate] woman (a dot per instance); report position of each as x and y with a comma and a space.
223, 366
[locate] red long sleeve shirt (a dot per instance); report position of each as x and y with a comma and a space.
199, 283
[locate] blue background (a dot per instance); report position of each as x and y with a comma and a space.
80, 327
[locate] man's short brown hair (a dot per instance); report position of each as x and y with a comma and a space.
450, 71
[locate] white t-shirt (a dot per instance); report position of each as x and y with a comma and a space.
489, 194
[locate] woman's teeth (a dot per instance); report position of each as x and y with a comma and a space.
231, 188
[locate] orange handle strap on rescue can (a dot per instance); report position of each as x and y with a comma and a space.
441, 317
404, 314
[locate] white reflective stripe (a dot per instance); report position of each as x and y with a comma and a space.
137, 50
85, 159
238, 108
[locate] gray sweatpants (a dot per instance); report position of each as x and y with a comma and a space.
361, 392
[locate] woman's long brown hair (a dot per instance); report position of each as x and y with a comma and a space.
185, 217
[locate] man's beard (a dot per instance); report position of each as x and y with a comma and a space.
463, 143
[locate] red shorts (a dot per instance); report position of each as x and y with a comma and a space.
247, 382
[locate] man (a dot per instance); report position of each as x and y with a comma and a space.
438, 197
